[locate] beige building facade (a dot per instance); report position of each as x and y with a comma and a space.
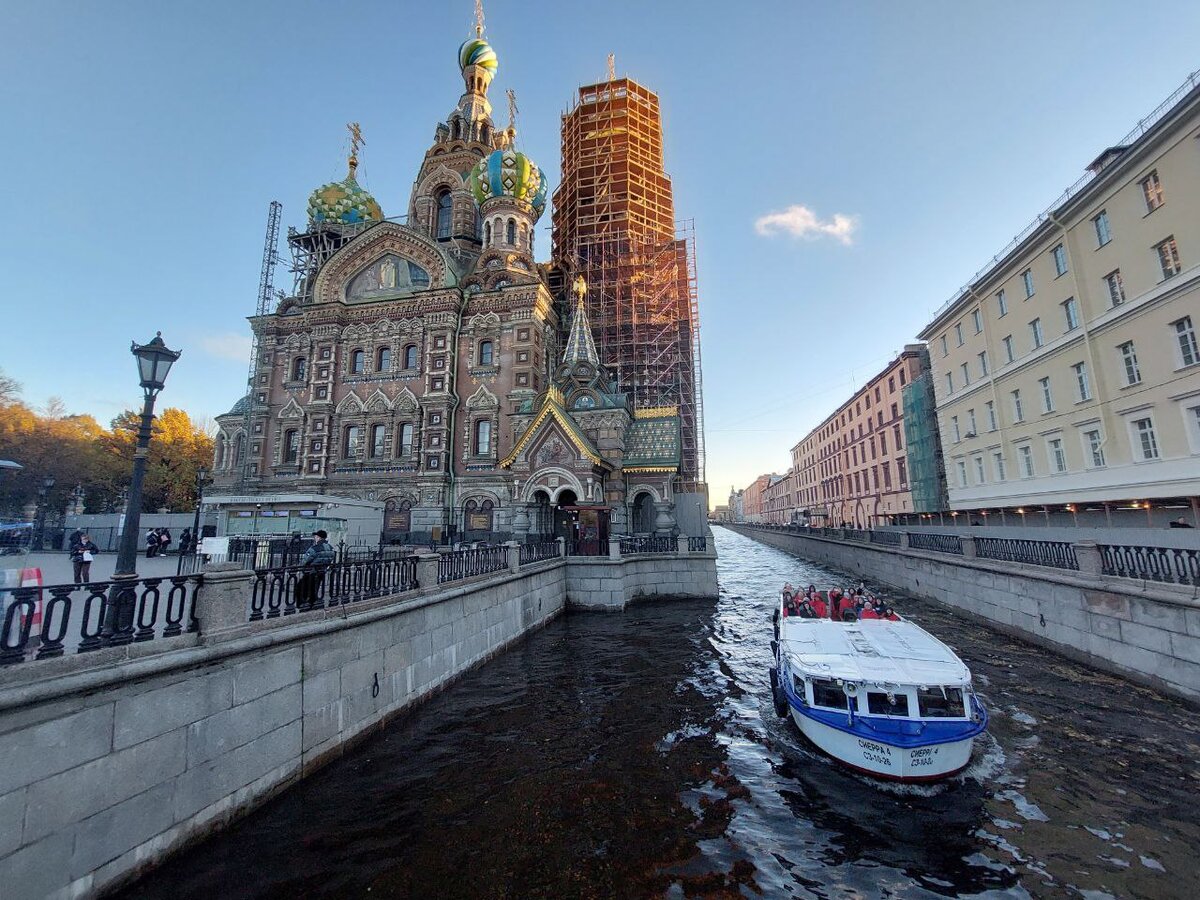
853, 467
1067, 374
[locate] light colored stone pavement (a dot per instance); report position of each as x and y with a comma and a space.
56, 565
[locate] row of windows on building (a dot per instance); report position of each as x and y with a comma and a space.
498, 228
1183, 332
841, 419
880, 477
877, 444
1143, 441
376, 445
485, 355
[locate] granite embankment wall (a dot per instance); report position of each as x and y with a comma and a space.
1147, 632
108, 769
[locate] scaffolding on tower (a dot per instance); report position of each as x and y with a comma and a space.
267, 297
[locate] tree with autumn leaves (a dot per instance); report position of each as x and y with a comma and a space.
77, 451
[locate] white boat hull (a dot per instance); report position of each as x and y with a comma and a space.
883, 760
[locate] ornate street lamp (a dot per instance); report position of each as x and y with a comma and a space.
154, 361
43, 491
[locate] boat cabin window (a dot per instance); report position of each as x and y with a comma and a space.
879, 704
828, 694
941, 703
798, 686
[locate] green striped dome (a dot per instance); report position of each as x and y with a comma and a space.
478, 52
343, 202
509, 173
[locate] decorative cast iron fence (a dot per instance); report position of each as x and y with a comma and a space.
461, 564
648, 544
539, 552
888, 538
939, 543
856, 534
697, 544
1172, 565
45, 622
1055, 554
288, 590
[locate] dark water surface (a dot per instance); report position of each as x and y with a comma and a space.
637, 755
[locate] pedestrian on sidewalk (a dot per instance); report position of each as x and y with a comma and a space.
317, 559
82, 552
185, 542
151, 544
164, 540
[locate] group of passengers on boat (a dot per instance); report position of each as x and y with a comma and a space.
848, 605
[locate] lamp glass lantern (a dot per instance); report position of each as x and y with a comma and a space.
154, 362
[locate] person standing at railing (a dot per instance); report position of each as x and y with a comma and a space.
316, 560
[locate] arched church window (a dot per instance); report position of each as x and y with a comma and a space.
445, 211
487, 234
483, 437
410, 356
378, 433
299, 368
291, 446
383, 359
350, 441
358, 362
219, 458
404, 446
239, 451
524, 235
486, 353
510, 233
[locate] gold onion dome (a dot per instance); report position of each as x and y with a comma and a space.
344, 202
509, 173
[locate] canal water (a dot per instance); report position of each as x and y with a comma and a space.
638, 755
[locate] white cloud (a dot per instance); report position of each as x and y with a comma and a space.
231, 346
801, 222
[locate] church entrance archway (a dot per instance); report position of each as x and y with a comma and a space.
644, 513
565, 518
541, 519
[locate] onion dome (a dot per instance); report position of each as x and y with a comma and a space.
343, 202
509, 173
477, 52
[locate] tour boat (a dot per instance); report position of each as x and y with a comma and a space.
883, 697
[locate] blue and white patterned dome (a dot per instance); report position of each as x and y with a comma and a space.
509, 173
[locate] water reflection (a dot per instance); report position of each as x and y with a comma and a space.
638, 755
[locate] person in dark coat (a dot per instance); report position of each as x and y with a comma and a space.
152, 543
317, 558
82, 552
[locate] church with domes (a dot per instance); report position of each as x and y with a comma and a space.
422, 365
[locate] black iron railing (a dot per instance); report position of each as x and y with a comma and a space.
49, 621
539, 552
697, 544
856, 534
1171, 565
1055, 554
887, 538
939, 543
648, 544
287, 590
461, 564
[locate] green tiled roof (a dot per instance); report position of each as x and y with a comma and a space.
653, 443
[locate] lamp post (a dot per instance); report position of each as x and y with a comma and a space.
154, 362
43, 491
201, 477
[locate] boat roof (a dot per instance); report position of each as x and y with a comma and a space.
871, 650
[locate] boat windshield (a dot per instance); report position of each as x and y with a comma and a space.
828, 694
881, 704
941, 703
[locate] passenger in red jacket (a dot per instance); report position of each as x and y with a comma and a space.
889, 614
868, 612
819, 607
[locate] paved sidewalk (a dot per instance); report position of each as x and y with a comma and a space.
56, 565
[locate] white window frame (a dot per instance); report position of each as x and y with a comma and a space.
962, 472
1083, 383
1116, 287
966, 374
998, 465
1059, 255
1133, 372
958, 333
955, 433
1027, 282
1002, 303
1035, 331
1103, 232
949, 382
1047, 395
1056, 455
983, 364
1025, 457
972, 428
1018, 406
991, 414
1152, 192
1168, 257
977, 320
1008, 348
980, 474
1093, 452
1070, 308
945, 347
1190, 408
1185, 341
1137, 443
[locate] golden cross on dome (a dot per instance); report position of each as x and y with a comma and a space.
478, 18
512, 110
356, 141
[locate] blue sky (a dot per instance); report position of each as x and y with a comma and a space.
144, 141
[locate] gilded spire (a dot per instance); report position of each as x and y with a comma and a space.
356, 141
478, 18
580, 346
